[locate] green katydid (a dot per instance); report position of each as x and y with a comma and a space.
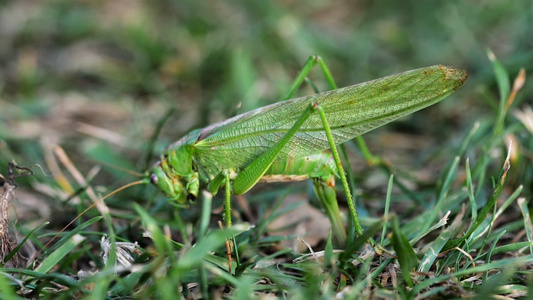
289, 140
295, 139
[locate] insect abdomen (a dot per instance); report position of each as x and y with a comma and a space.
301, 168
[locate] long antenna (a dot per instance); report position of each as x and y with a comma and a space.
90, 207
137, 174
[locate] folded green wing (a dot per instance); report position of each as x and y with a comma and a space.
351, 111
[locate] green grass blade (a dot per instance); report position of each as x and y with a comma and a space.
502, 79
358, 242
490, 205
487, 223
17, 248
207, 199
436, 209
328, 252
524, 208
59, 278
387, 207
6, 288
161, 242
492, 285
467, 139
212, 242
58, 254
507, 249
433, 252
442, 222
75, 231
489, 253
503, 263
360, 284
471, 197
404, 251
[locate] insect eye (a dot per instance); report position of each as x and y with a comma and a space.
153, 179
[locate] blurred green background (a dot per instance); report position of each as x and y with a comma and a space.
95, 77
